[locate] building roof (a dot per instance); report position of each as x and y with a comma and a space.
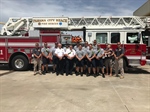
144, 10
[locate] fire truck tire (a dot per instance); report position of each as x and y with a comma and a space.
19, 63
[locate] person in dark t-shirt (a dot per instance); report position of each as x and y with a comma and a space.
36, 54
119, 53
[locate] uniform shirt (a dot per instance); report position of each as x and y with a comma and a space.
85, 49
80, 53
95, 47
36, 51
70, 53
46, 51
119, 51
60, 52
65, 48
90, 53
76, 48
53, 49
99, 52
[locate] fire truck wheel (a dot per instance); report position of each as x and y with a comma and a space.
19, 63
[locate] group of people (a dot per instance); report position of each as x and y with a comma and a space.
85, 59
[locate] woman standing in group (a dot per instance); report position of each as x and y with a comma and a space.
108, 59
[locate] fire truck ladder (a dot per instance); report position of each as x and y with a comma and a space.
16, 25
105, 22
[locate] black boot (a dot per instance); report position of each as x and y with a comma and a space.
77, 73
81, 73
103, 75
95, 75
88, 74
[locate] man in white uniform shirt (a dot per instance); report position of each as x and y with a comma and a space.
59, 53
70, 54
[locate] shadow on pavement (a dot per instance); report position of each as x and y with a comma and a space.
5, 67
6, 73
131, 70
137, 70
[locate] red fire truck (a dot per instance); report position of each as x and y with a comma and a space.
19, 35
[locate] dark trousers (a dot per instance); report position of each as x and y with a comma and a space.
91, 63
60, 65
69, 65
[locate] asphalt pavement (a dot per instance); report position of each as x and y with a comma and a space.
21, 91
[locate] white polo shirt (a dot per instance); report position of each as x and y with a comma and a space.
70, 53
59, 52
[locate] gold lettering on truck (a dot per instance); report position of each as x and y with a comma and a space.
39, 20
133, 52
61, 20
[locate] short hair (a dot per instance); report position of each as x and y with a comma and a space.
94, 41
36, 43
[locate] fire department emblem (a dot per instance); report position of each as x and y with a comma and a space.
39, 23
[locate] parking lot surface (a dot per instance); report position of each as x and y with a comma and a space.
21, 91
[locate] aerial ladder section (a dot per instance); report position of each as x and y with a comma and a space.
15, 26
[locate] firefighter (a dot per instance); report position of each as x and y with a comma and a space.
76, 47
60, 59
45, 58
90, 55
53, 57
70, 54
119, 53
95, 45
80, 54
85, 48
108, 59
100, 60
36, 53
65, 47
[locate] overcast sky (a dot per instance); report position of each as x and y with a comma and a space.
70, 8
